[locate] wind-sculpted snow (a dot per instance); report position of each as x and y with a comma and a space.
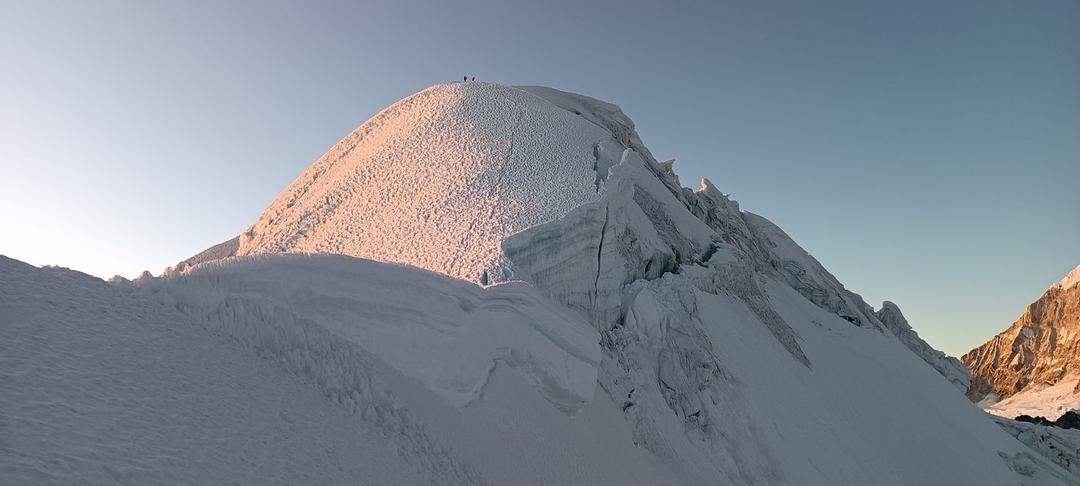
237, 373
602, 114
770, 250
585, 258
103, 384
671, 278
437, 181
447, 334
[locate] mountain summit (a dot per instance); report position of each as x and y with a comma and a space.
439, 179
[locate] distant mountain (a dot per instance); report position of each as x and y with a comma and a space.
1033, 367
498, 285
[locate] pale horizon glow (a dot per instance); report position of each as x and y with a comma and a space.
926, 153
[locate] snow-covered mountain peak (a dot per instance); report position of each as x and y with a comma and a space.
490, 183
440, 178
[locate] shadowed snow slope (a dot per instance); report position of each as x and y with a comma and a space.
300, 370
449, 340
102, 384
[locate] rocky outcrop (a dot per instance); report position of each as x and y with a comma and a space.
1041, 348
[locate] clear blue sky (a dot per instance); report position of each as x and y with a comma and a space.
926, 152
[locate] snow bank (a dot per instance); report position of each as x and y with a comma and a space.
446, 333
101, 384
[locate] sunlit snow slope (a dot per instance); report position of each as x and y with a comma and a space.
438, 179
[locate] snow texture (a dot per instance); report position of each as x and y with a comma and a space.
101, 384
438, 180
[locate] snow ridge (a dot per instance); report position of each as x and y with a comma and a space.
1072, 278
1030, 367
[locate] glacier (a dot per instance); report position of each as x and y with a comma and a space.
502, 285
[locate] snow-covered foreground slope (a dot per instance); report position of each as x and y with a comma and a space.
102, 384
259, 371
320, 370
628, 330
439, 179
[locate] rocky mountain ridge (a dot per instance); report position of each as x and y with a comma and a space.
1033, 366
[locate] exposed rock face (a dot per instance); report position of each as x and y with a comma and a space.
1042, 348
